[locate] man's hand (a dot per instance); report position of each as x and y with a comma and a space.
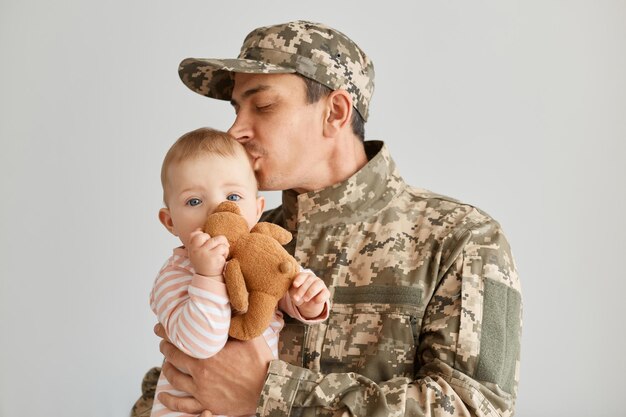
309, 294
208, 254
228, 383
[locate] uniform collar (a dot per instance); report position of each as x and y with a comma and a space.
367, 191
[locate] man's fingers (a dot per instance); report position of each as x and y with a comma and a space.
177, 358
206, 413
159, 330
182, 404
178, 379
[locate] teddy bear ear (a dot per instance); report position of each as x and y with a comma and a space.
228, 206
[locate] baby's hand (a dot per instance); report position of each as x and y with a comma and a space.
309, 294
208, 254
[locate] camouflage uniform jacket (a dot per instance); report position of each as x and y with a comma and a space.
426, 307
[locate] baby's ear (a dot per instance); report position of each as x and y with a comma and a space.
260, 206
166, 220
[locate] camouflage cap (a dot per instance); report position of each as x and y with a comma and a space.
310, 49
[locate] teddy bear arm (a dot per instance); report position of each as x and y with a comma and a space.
258, 317
236, 286
281, 235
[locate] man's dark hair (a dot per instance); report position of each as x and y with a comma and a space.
316, 90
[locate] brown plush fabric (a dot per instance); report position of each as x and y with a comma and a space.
259, 271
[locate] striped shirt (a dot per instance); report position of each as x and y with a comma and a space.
195, 312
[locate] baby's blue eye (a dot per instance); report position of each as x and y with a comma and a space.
233, 197
194, 202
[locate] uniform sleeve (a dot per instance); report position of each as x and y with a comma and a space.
467, 360
193, 309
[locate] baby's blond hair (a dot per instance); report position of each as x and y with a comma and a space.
202, 141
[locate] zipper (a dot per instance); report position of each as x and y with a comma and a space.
306, 355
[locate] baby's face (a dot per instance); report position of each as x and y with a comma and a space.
196, 187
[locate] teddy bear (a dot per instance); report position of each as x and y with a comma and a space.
259, 270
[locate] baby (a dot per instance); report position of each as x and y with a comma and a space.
202, 169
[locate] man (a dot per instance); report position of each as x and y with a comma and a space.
426, 314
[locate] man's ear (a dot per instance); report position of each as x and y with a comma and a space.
260, 206
338, 112
166, 220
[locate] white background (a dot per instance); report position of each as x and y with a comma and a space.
516, 107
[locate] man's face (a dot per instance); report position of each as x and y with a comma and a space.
281, 132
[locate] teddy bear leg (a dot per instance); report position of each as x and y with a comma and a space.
254, 322
236, 286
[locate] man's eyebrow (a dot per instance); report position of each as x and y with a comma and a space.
250, 92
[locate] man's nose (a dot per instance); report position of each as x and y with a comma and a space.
240, 130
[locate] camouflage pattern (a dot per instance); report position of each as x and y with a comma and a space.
143, 406
412, 276
311, 49
408, 270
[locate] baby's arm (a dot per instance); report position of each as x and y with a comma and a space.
193, 308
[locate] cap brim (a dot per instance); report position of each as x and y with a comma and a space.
215, 77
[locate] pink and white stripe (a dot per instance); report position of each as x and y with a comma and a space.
194, 310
